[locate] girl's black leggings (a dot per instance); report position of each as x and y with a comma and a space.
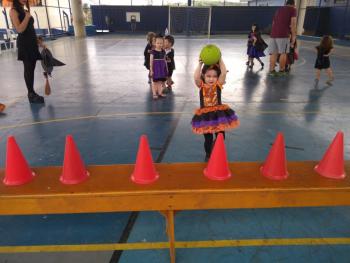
29, 69
208, 142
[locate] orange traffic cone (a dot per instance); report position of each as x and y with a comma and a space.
2, 107
74, 171
17, 171
275, 166
332, 163
144, 171
217, 168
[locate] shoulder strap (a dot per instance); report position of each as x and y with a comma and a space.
219, 85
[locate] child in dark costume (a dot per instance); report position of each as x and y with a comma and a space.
147, 53
324, 50
256, 46
170, 53
47, 62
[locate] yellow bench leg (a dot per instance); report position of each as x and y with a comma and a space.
170, 230
171, 234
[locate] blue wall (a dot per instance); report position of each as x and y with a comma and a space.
333, 21
239, 19
318, 21
153, 18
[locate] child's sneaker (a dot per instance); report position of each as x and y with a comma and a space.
316, 83
282, 73
330, 82
273, 73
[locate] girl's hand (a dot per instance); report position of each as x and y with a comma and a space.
28, 15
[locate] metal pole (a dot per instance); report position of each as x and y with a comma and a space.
209, 23
37, 19
59, 11
169, 20
345, 15
70, 12
48, 19
6, 19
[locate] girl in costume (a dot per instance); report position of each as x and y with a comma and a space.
148, 51
158, 68
256, 46
324, 49
170, 53
292, 56
212, 117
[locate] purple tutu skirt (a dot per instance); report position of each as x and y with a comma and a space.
254, 53
214, 119
160, 70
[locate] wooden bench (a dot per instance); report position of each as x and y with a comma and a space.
181, 186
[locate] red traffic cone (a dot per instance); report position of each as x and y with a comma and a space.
17, 171
73, 171
217, 168
144, 171
275, 166
332, 163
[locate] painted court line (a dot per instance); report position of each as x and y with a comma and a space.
142, 113
179, 244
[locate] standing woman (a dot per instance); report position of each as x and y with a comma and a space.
28, 50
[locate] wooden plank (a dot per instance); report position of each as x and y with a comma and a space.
181, 186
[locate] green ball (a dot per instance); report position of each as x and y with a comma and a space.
210, 54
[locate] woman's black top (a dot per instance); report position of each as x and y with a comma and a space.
27, 40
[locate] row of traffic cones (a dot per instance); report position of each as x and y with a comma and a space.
18, 172
275, 166
331, 165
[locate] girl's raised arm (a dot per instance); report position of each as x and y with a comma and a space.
222, 77
197, 74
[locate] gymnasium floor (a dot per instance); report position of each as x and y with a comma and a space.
102, 98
